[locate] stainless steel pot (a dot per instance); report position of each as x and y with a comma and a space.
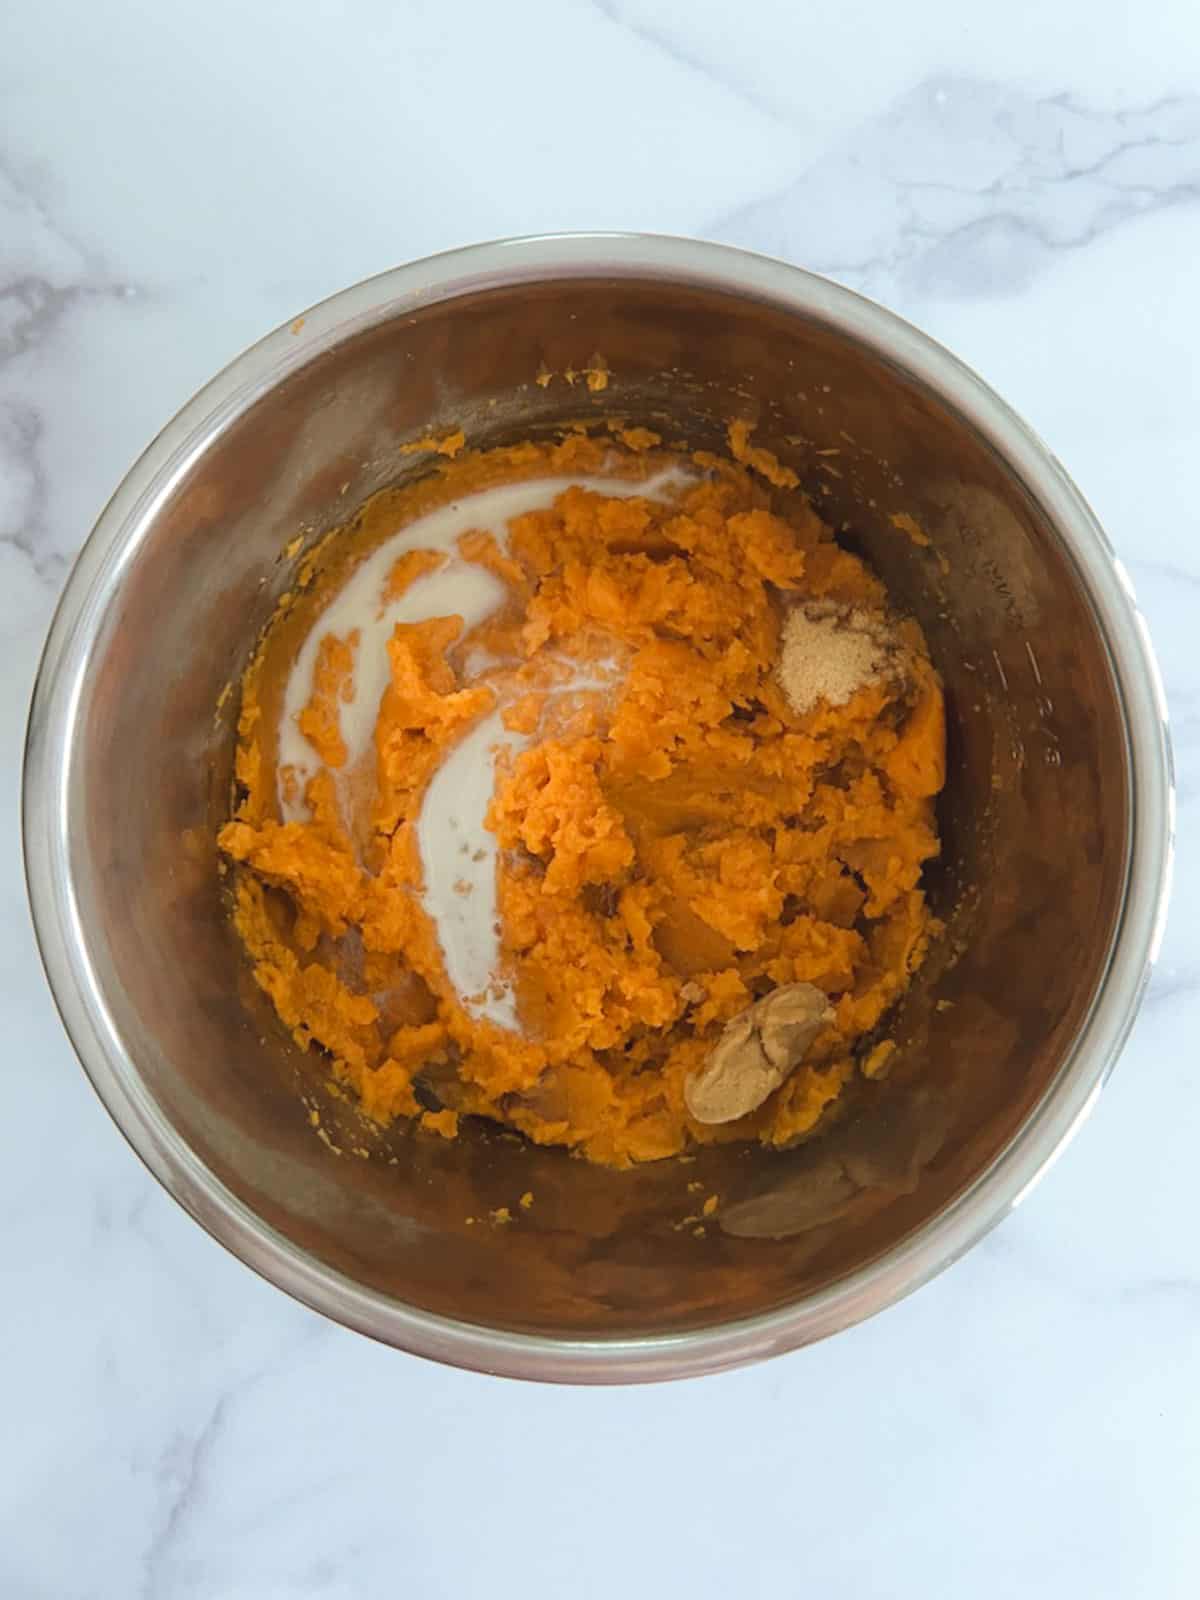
1056, 820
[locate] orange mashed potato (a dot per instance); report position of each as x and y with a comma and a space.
668, 852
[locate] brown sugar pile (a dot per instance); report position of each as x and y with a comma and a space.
830, 652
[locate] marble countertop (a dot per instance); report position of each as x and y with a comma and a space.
1021, 179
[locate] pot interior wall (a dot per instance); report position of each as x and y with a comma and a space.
1034, 818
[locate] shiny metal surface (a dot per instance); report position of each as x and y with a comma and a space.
1057, 818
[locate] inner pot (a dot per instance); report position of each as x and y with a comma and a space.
381, 1227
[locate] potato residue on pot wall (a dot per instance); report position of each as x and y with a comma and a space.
666, 839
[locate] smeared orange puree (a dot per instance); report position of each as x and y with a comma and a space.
671, 843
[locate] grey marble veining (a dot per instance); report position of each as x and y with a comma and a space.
966, 188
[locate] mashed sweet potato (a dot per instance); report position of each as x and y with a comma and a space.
674, 849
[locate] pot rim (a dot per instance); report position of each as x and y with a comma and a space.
51, 736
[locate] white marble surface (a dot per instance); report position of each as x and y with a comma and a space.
1024, 180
